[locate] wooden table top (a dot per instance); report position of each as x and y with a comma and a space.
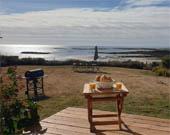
113, 90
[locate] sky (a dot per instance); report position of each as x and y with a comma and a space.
124, 23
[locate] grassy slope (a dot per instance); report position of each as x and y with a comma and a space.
149, 95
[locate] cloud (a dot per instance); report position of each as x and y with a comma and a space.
87, 18
75, 26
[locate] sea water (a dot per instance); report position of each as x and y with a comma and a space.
60, 52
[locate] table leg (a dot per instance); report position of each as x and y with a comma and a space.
121, 105
119, 109
90, 112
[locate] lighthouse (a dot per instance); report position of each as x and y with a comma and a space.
95, 53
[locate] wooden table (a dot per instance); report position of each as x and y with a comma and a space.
112, 94
85, 67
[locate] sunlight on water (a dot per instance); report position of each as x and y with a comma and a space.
60, 52
25, 46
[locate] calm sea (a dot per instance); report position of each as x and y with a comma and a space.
56, 52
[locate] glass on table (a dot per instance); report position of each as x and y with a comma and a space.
92, 86
119, 84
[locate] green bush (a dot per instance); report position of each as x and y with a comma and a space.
32, 61
155, 64
155, 69
125, 64
16, 114
161, 71
135, 64
147, 67
9, 60
166, 61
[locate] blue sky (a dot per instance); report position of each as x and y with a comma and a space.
139, 23
21, 6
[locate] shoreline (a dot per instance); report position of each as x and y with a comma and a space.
15, 61
146, 57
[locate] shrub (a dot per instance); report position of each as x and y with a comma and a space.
166, 61
9, 60
135, 64
32, 61
16, 114
155, 64
161, 71
155, 69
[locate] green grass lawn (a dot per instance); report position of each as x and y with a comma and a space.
145, 98
148, 94
155, 107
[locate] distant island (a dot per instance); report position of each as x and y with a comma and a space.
35, 52
59, 48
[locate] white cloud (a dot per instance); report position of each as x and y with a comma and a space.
87, 18
133, 26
